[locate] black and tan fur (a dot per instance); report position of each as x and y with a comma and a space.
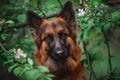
57, 48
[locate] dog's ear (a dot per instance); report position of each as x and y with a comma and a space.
34, 21
67, 12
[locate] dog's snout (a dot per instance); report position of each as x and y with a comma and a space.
59, 52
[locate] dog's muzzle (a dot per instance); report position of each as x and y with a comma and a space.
60, 54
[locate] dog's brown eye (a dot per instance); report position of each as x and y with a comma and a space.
62, 34
48, 37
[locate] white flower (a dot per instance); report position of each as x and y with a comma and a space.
81, 12
19, 53
96, 6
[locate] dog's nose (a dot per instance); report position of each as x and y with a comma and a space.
60, 52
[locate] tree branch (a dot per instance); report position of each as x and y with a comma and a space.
60, 3
2, 47
92, 73
109, 53
17, 26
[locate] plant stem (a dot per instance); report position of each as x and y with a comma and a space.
2, 47
60, 3
89, 63
108, 49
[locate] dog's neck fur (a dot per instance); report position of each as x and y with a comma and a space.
71, 75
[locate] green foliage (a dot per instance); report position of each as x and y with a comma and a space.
37, 73
24, 68
97, 17
21, 18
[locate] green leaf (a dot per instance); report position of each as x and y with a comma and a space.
50, 75
27, 66
10, 22
30, 61
86, 19
21, 18
4, 36
17, 71
107, 26
43, 69
34, 3
85, 34
23, 71
9, 61
102, 24
11, 50
29, 75
98, 14
116, 14
23, 60
90, 24
26, 1
12, 67
83, 57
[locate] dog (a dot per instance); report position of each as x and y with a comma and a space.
57, 48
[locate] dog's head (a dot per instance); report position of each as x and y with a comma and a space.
54, 38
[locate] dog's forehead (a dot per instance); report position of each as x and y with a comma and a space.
53, 25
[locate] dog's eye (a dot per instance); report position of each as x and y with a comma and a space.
62, 35
48, 37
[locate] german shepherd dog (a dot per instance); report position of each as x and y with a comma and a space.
57, 48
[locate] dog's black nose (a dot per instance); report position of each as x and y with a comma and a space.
60, 52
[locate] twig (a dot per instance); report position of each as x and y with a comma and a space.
88, 60
2, 47
38, 5
90, 75
60, 3
17, 26
108, 49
